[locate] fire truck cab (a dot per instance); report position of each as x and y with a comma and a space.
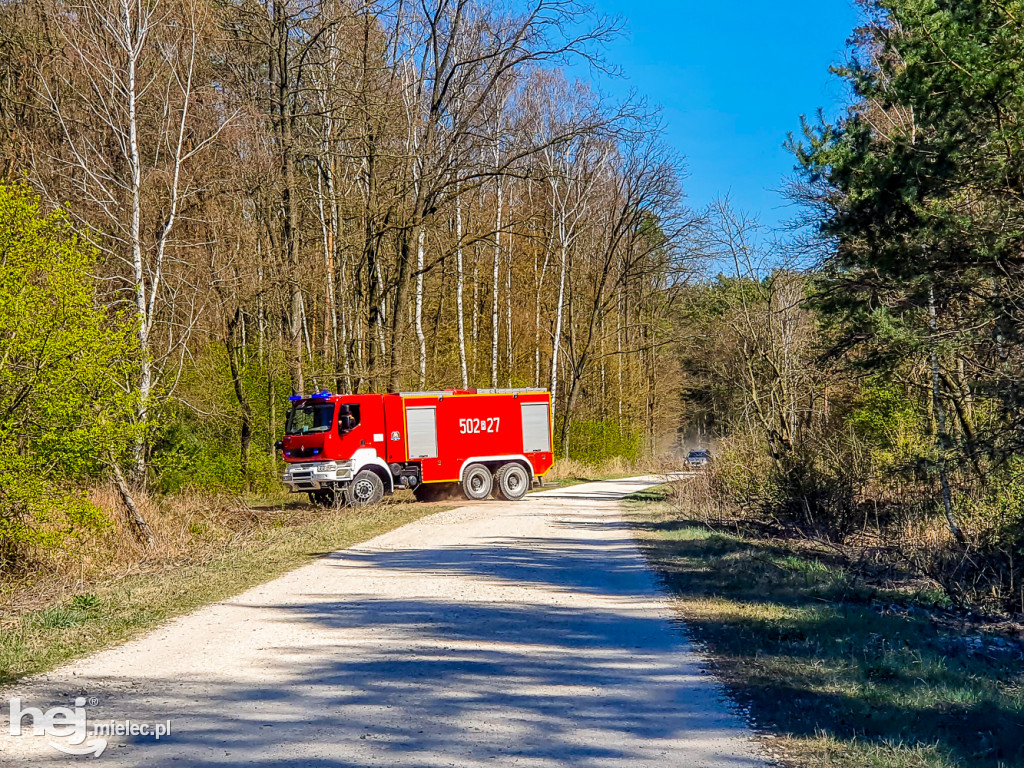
354, 449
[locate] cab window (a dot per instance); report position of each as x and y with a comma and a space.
348, 417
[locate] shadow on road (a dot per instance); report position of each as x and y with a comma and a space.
575, 669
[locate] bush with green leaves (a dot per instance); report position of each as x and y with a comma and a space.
595, 441
65, 407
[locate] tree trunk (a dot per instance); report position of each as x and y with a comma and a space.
245, 432
136, 522
420, 338
557, 338
537, 313
459, 286
135, 233
940, 419
329, 225
284, 118
475, 314
398, 318
496, 284
570, 405
510, 360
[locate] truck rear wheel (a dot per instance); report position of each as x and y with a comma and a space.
477, 482
511, 482
367, 488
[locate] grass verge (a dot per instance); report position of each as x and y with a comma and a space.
113, 612
834, 672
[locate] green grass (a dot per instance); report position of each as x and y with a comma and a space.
110, 614
827, 666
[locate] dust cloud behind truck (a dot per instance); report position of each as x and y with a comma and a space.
357, 448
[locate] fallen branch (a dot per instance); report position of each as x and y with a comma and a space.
137, 523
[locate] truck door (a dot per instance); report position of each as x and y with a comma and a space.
422, 437
536, 428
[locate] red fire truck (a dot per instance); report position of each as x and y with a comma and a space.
356, 448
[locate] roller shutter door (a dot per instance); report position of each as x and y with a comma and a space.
536, 429
422, 423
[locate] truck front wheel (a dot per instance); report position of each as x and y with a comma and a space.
477, 482
367, 488
511, 482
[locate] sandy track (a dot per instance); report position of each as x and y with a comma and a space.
527, 634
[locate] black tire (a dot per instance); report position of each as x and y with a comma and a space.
511, 482
325, 497
477, 482
366, 488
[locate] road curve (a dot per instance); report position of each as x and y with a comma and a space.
495, 634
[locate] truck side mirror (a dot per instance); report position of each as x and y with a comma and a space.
279, 445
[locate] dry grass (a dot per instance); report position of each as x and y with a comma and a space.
834, 671
188, 529
105, 588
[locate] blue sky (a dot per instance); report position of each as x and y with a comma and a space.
732, 78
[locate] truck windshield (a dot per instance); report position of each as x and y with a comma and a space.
310, 417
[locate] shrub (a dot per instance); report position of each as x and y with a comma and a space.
63, 362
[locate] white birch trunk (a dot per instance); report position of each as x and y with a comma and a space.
495, 282
556, 341
332, 304
327, 239
536, 324
132, 46
618, 357
381, 342
508, 314
419, 306
475, 314
459, 286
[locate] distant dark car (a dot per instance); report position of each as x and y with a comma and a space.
698, 458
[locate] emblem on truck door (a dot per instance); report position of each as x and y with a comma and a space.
396, 435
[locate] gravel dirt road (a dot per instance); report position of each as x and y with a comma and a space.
495, 634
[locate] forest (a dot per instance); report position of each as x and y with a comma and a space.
209, 205
274, 198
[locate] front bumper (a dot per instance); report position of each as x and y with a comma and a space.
311, 476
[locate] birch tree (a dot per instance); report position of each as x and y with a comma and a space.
124, 97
